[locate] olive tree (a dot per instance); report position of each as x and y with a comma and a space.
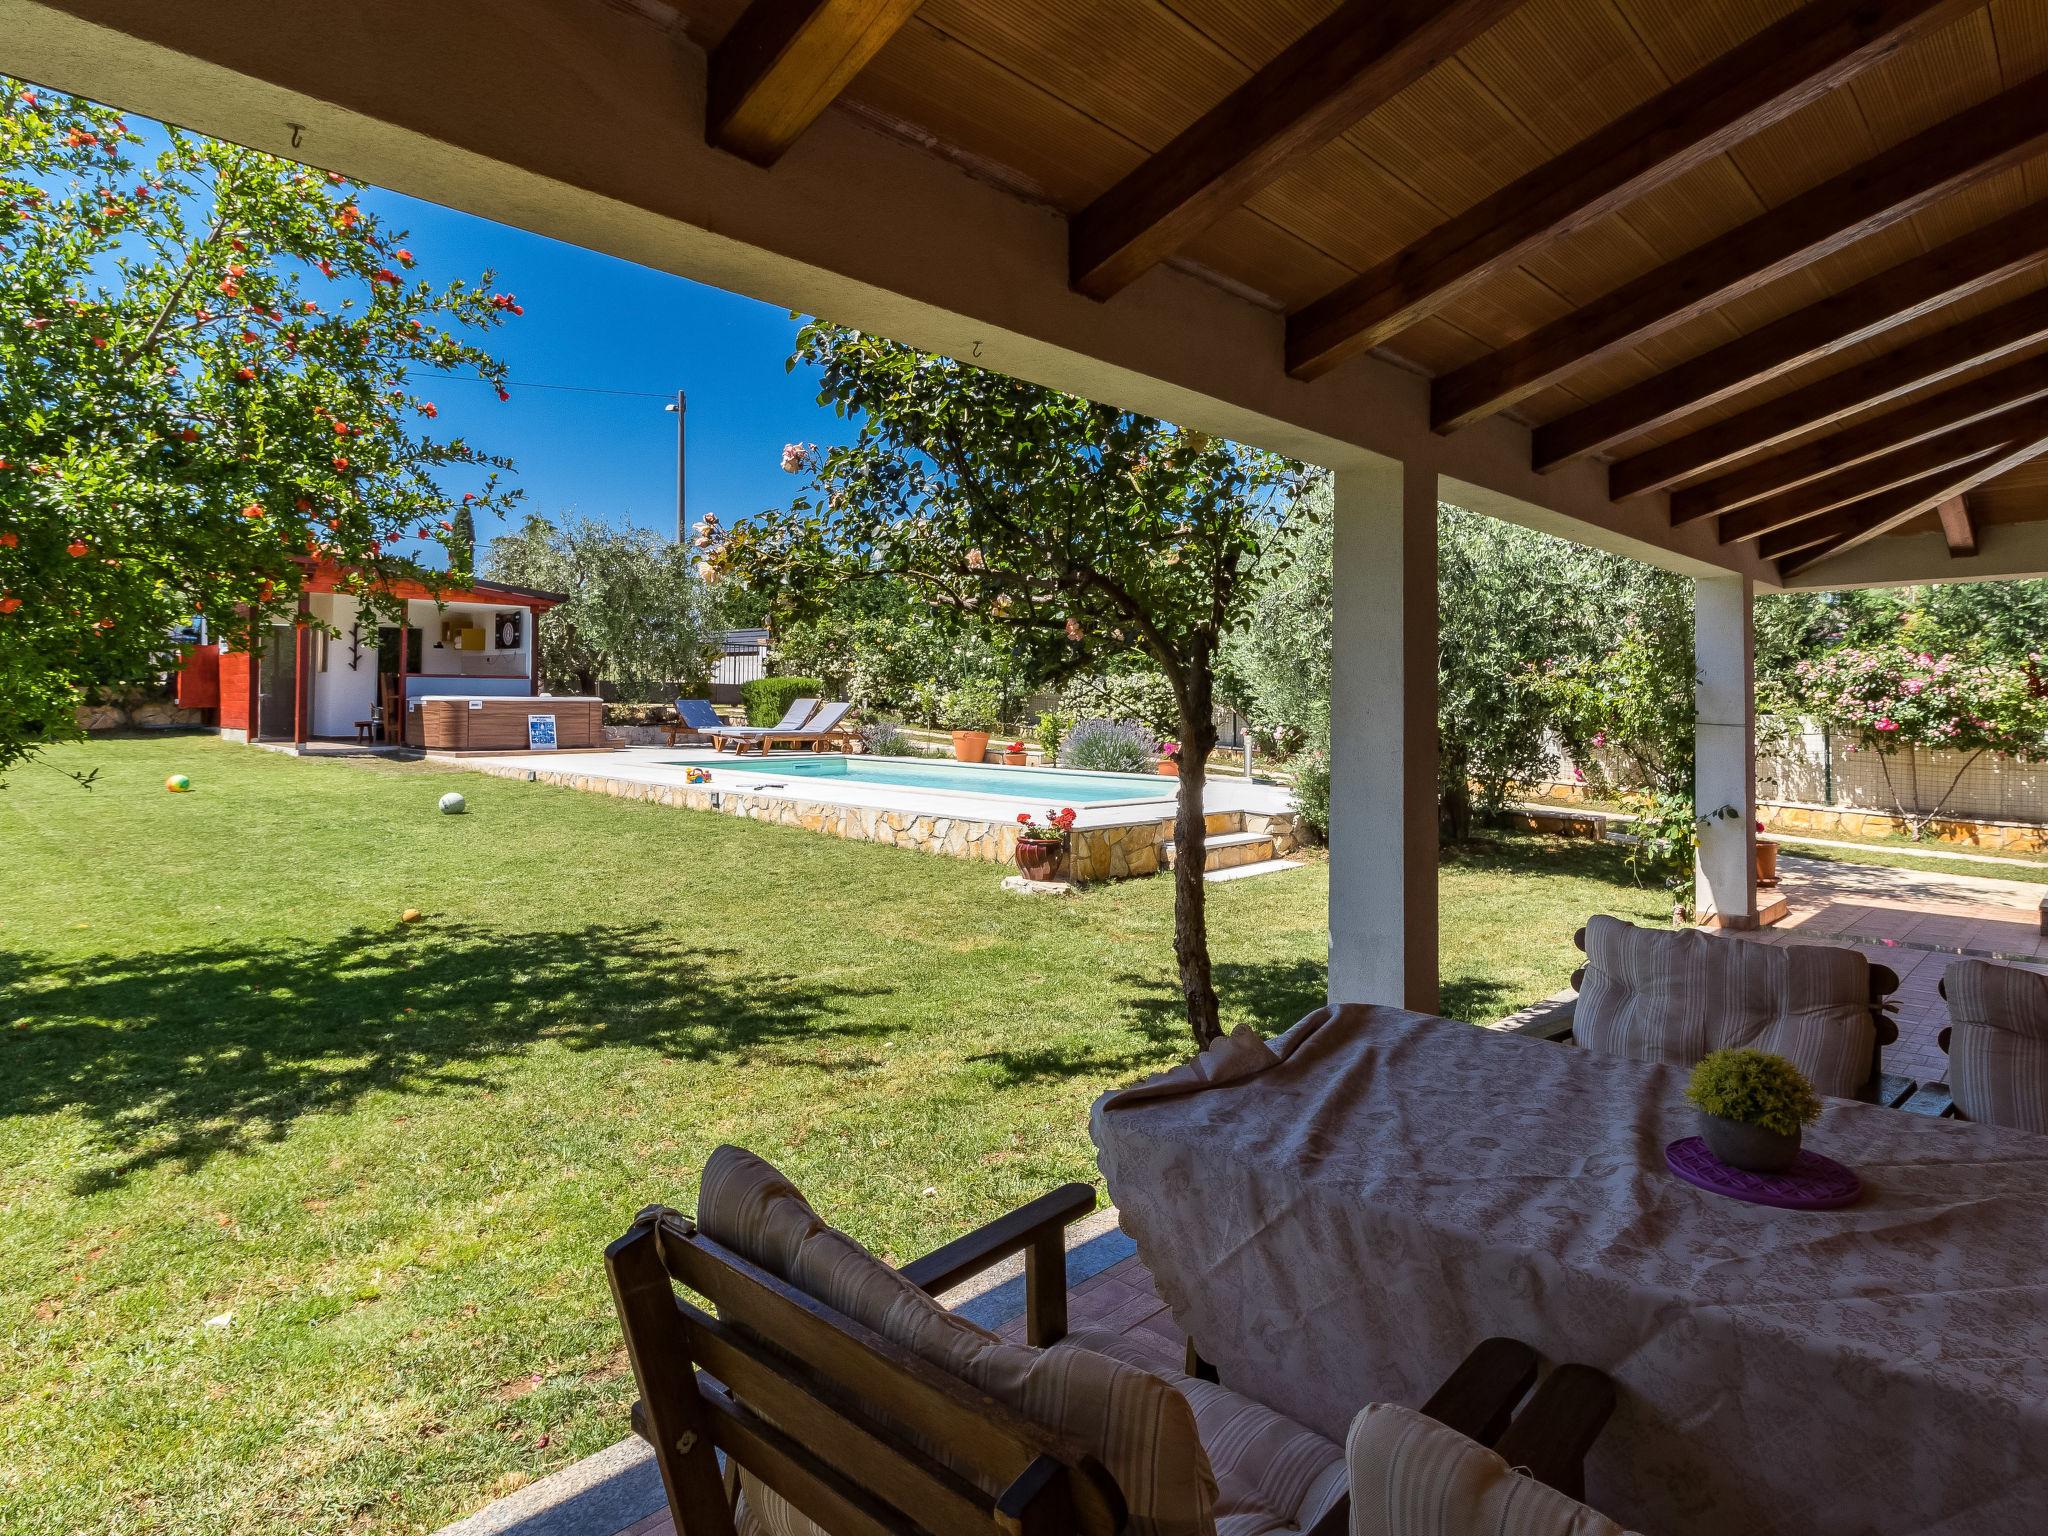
638, 614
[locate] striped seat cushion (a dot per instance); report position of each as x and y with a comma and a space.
1671, 997
1137, 1426
1273, 1477
1411, 1476
1998, 1044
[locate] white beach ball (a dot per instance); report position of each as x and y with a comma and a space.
453, 804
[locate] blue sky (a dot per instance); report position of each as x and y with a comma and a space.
602, 347
596, 323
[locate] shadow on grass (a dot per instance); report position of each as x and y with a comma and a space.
181, 1056
1541, 854
1272, 993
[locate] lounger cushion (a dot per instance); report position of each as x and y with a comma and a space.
1656, 995
1137, 1426
1411, 1476
698, 715
1273, 1477
1998, 1044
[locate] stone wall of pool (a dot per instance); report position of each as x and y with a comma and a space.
1115, 852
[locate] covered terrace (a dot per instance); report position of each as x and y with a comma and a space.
1751, 291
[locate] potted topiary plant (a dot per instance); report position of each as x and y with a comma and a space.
972, 713
1016, 754
1042, 845
1751, 1106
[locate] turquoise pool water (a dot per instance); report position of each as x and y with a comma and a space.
1039, 786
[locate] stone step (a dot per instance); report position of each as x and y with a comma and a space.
1227, 850
1247, 871
1219, 822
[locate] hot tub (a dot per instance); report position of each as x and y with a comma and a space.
499, 723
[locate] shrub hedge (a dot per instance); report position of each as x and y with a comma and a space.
768, 698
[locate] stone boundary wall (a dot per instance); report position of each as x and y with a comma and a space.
1791, 817
1095, 853
140, 715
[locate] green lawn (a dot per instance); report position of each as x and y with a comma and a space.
233, 1086
1899, 853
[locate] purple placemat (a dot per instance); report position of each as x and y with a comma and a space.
1812, 1183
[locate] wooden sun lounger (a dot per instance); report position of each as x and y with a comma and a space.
744, 736
827, 729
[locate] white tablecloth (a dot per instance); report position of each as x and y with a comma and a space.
1339, 1218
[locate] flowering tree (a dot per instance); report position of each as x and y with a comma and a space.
206, 360
1086, 534
1892, 698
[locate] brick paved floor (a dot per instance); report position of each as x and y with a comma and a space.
1918, 924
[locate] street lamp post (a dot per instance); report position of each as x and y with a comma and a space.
680, 406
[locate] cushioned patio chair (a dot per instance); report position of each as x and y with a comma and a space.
827, 728
1411, 1475
843, 1397
1997, 1045
694, 717
744, 736
1650, 994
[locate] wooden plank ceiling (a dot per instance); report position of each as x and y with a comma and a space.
1787, 259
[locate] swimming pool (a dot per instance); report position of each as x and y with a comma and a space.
1052, 787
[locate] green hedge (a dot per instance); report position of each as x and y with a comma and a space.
768, 698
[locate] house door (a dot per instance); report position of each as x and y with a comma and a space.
277, 684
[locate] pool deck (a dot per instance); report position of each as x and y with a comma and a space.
666, 767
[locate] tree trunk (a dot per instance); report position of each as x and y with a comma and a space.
1454, 811
1195, 696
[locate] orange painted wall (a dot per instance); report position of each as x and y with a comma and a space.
199, 677
234, 691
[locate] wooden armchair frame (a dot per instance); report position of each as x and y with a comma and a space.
1882, 1087
1549, 1438
833, 1416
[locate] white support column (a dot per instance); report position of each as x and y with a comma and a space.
1383, 820
1724, 734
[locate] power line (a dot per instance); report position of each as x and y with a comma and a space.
574, 389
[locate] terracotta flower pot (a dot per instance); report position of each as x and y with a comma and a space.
970, 746
1748, 1147
1766, 862
1169, 766
1038, 859
1016, 759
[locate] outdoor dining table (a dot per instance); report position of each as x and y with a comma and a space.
1338, 1217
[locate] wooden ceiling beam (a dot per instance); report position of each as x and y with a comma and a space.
1884, 513
1953, 407
1958, 526
1883, 472
1884, 510
1781, 69
1964, 149
1915, 287
784, 62
2010, 326
1355, 59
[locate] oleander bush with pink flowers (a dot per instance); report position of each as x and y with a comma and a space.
1892, 698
